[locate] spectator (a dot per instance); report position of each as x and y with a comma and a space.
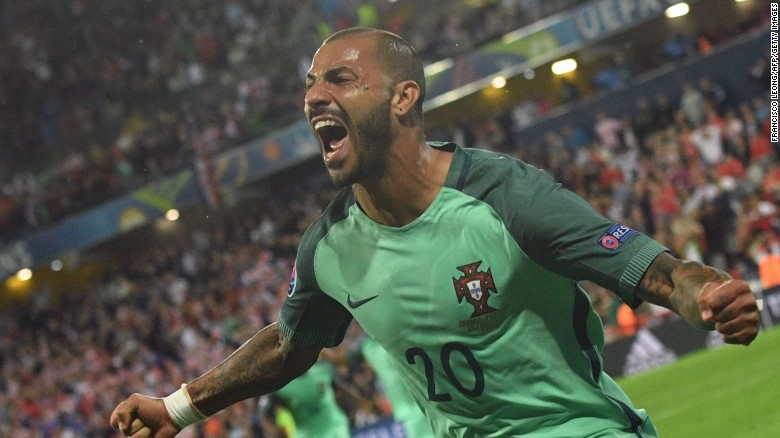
569, 91
663, 111
614, 75
708, 141
608, 130
678, 47
692, 104
713, 93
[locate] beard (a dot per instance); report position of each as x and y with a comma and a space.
371, 139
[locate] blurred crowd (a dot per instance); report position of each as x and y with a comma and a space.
693, 168
99, 97
700, 175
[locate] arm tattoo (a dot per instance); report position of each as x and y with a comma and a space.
261, 365
657, 284
675, 284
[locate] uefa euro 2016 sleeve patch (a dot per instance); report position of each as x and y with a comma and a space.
293, 280
616, 236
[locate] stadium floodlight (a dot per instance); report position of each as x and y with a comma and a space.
498, 82
677, 10
172, 214
564, 66
24, 274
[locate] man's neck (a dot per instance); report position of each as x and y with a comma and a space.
414, 178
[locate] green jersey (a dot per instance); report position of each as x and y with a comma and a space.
312, 402
405, 408
477, 300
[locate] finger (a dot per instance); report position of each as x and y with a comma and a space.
705, 301
740, 330
114, 420
747, 321
136, 425
742, 307
121, 421
742, 337
144, 432
123, 416
715, 297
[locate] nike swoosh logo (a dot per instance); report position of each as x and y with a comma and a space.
358, 303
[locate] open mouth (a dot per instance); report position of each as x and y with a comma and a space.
331, 133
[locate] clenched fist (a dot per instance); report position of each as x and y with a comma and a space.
731, 306
142, 416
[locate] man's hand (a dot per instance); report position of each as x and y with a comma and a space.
704, 296
141, 416
731, 306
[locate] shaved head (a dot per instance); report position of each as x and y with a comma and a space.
396, 58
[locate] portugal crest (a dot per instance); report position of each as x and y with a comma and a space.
475, 286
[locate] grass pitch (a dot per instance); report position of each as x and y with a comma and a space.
729, 392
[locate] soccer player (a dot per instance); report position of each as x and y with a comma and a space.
405, 408
312, 401
463, 264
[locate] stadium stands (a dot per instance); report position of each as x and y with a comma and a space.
99, 100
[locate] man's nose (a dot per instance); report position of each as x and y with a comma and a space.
317, 96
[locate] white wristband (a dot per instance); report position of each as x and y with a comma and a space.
181, 409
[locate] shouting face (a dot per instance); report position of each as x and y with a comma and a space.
347, 104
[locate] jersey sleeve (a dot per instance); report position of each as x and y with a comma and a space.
562, 232
308, 315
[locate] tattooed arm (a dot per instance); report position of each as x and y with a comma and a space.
704, 296
262, 365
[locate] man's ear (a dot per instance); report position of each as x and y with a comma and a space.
406, 95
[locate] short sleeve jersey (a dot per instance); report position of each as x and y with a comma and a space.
477, 300
312, 401
405, 408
